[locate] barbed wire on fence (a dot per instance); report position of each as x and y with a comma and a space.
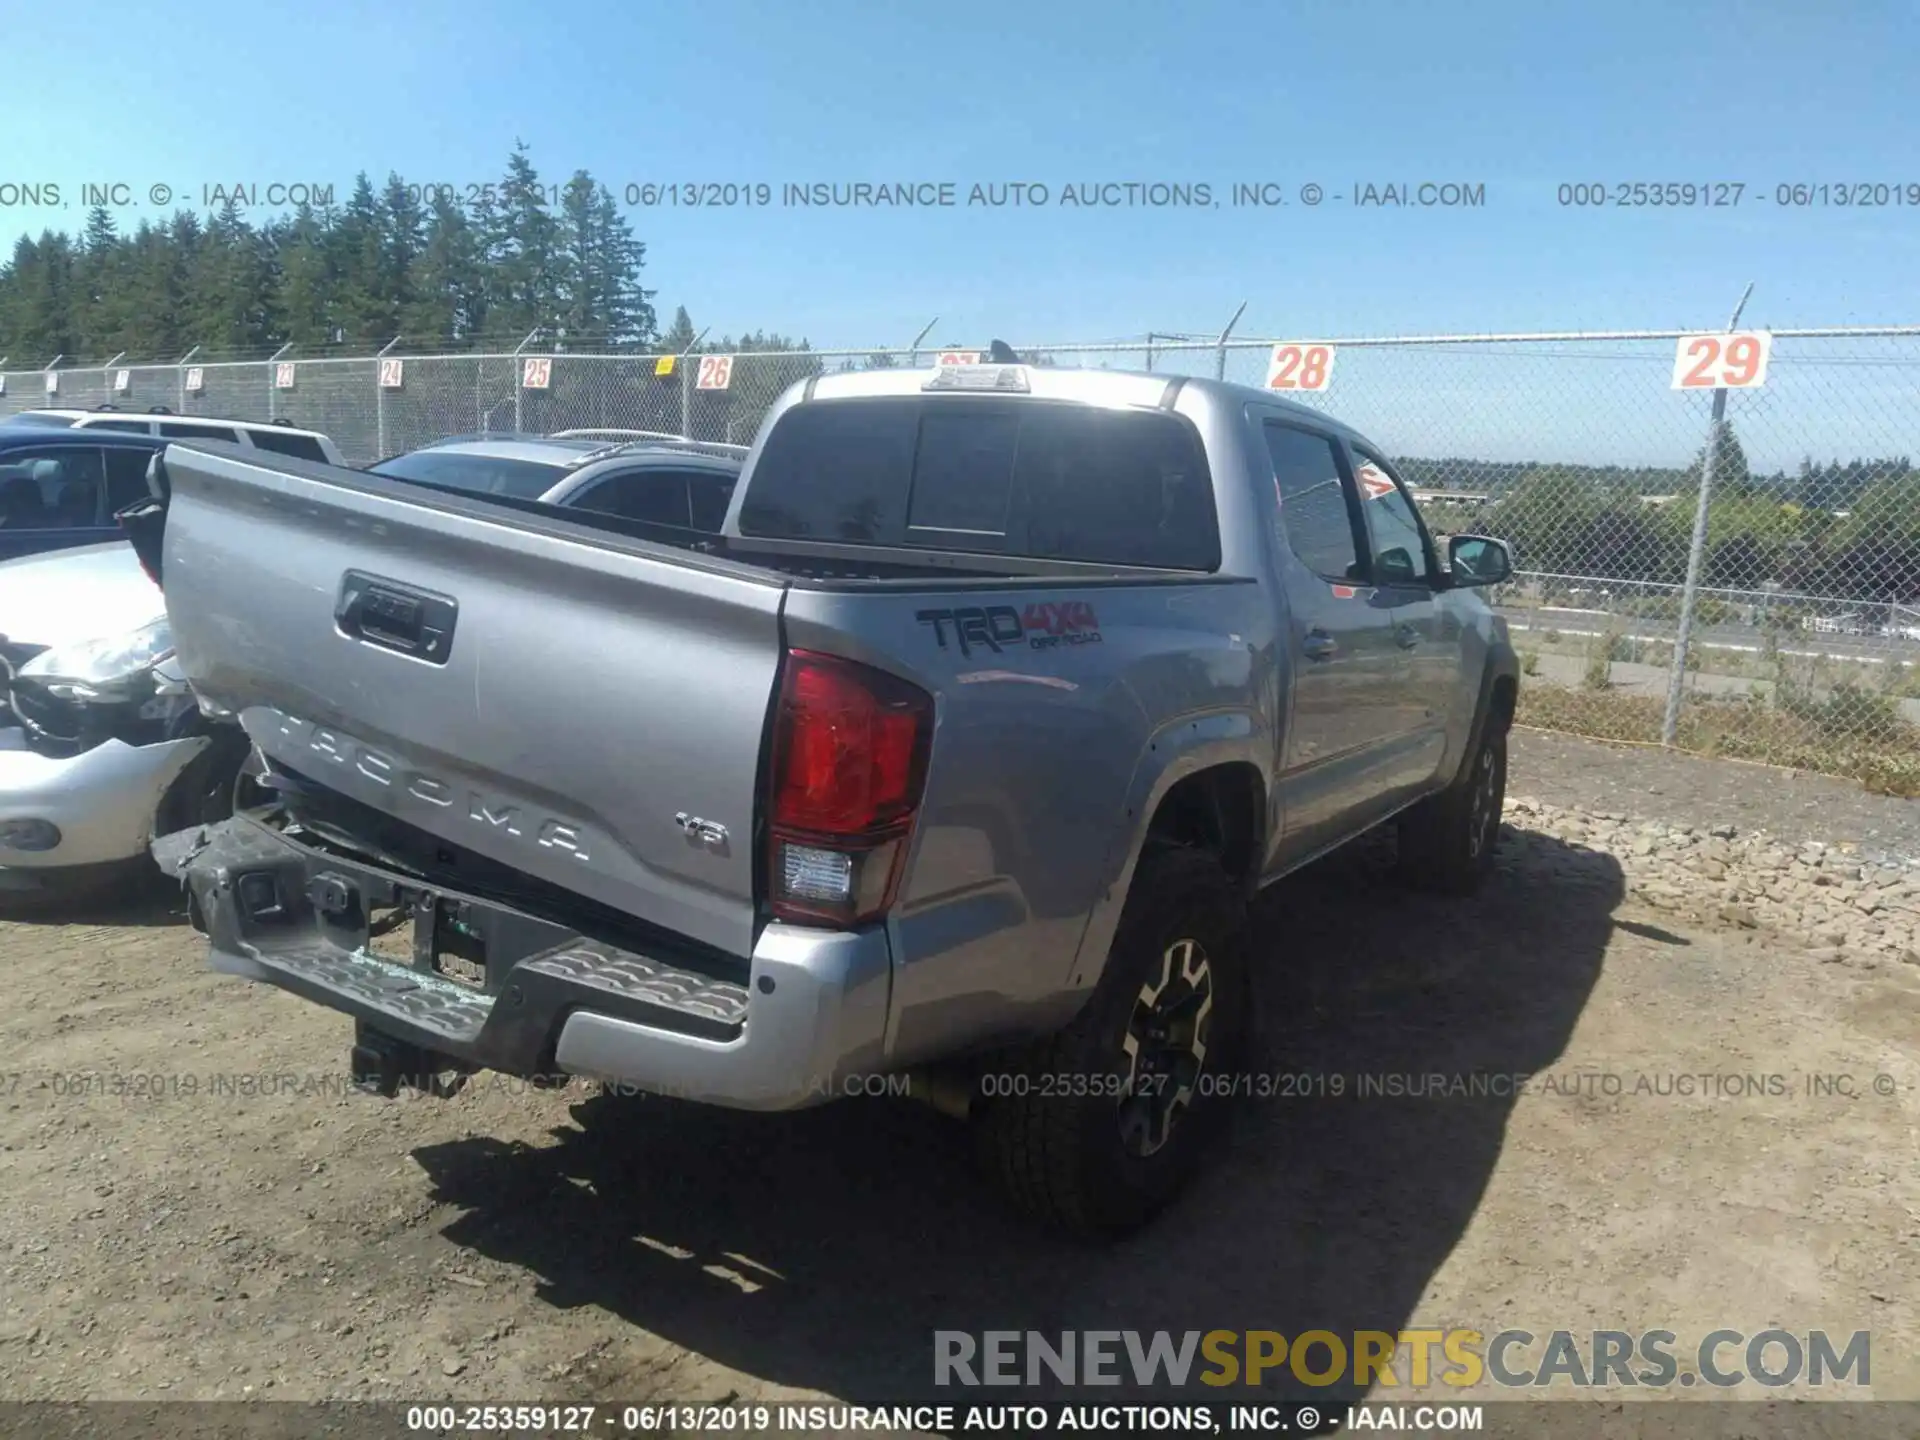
1804, 646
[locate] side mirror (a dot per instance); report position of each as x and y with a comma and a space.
1478, 560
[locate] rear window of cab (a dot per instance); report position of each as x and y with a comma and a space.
1039, 479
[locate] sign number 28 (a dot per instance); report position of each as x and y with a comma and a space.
1300, 367
1732, 361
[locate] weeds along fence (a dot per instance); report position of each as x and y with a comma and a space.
1791, 599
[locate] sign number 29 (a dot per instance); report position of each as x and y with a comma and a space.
1736, 360
1300, 367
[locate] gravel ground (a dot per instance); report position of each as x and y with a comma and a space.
1644, 783
274, 1237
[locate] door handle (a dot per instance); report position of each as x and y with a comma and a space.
1406, 637
1318, 645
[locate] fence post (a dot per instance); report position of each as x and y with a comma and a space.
519, 422
1696, 553
380, 401
686, 385
1220, 354
913, 350
106, 375
180, 368
273, 390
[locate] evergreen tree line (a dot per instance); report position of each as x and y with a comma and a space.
437, 270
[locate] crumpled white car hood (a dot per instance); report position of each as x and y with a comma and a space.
80, 594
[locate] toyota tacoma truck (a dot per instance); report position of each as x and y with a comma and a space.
955, 756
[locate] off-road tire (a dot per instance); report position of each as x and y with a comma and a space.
1048, 1120
1447, 841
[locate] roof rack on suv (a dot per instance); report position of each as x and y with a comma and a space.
717, 448
606, 434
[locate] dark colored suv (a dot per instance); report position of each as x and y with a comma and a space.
60, 488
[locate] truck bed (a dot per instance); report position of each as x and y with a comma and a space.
555, 693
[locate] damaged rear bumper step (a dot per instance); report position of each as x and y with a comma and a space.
465, 983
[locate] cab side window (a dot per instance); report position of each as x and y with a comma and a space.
1399, 539
1316, 503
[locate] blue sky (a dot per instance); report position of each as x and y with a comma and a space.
1518, 96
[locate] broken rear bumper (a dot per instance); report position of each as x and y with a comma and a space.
801, 1022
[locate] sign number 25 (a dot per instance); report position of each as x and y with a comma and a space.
1733, 361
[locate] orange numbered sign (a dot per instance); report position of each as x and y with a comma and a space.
716, 372
1294, 366
1735, 360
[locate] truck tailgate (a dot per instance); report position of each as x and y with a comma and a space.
561, 701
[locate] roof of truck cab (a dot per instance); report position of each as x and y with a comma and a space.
1079, 383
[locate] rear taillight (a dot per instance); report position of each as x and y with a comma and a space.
849, 759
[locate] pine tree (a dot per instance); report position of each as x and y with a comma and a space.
448, 303
355, 245
523, 248
402, 238
680, 335
307, 281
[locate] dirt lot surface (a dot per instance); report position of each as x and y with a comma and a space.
281, 1238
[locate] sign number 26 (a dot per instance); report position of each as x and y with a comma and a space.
1733, 361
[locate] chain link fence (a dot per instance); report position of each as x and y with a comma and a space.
1803, 631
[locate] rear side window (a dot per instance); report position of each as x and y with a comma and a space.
1038, 479
180, 430
282, 442
126, 427
126, 476
655, 495
711, 496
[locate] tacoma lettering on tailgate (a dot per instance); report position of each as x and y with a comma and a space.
494, 814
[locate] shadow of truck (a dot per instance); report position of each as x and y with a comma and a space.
822, 1250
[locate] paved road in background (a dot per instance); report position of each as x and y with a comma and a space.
1751, 639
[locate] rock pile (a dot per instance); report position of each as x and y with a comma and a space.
1846, 907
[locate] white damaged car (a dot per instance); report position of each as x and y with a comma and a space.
102, 745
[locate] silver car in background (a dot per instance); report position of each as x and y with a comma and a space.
642, 475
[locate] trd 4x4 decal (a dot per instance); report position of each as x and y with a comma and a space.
995, 627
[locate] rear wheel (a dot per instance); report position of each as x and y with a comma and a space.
1097, 1128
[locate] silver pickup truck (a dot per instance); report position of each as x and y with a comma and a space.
955, 756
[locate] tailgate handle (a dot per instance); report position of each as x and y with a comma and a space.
401, 618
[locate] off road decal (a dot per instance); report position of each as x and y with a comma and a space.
996, 627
